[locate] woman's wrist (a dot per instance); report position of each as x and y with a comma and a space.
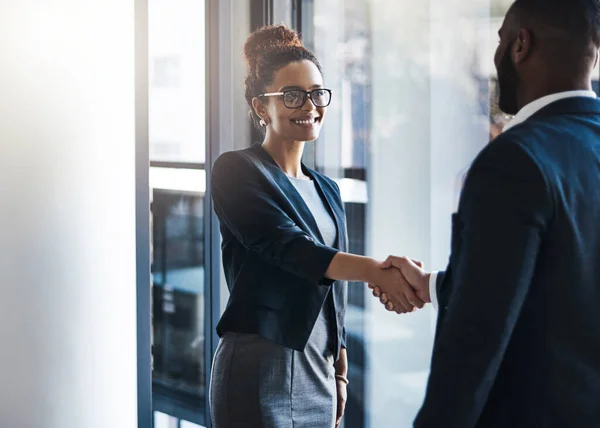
341, 365
374, 272
371, 270
351, 267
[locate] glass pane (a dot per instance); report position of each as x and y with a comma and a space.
179, 376
162, 420
414, 101
177, 84
186, 424
177, 134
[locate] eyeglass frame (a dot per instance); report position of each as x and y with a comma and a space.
307, 94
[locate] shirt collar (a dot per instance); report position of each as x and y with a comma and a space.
535, 106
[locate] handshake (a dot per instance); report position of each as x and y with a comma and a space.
401, 285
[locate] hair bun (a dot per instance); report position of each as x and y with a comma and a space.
269, 39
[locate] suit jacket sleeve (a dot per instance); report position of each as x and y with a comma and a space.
438, 281
504, 209
253, 216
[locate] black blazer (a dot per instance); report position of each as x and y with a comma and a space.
273, 253
518, 337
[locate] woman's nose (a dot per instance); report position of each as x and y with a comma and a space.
308, 104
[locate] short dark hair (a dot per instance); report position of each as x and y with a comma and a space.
580, 19
267, 50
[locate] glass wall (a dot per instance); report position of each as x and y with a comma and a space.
414, 101
177, 178
177, 80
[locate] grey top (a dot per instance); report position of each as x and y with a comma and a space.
313, 200
322, 335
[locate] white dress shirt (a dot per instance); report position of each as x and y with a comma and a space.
523, 114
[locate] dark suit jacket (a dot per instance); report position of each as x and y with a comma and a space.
518, 337
273, 253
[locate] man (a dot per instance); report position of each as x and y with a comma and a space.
518, 335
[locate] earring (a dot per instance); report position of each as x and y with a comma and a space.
263, 123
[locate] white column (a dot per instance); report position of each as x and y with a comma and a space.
459, 34
67, 214
399, 202
328, 39
428, 124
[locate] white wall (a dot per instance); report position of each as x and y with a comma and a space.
67, 217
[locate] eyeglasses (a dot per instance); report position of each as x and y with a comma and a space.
296, 98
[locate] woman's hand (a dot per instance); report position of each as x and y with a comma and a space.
412, 271
399, 296
342, 397
341, 384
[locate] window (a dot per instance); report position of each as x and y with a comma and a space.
179, 375
162, 420
178, 181
177, 80
188, 293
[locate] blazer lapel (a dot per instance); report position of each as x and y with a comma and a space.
328, 197
307, 220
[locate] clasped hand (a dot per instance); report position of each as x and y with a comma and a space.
402, 285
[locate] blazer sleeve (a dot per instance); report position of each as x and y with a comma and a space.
503, 213
243, 204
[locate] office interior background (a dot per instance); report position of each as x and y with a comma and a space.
414, 100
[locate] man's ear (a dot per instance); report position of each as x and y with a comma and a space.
522, 46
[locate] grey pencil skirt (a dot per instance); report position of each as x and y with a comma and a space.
256, 383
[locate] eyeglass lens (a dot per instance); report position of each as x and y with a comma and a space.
295, 99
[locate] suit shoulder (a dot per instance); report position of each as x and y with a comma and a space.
234, 156
534, 136
235, 160
510, 156
511, 149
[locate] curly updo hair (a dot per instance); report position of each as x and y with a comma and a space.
268, 50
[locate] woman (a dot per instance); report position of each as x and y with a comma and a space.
281, 361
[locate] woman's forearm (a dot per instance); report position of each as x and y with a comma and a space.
350, 267
341, 365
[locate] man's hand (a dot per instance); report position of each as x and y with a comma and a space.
399, 294
413, 274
